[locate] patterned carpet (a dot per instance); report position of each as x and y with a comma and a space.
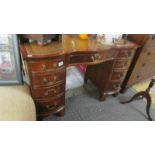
82, 104
142, 86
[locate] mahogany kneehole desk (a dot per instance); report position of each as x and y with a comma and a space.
45, 69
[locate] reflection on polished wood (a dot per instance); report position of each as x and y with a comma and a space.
71, 44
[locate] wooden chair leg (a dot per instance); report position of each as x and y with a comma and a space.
136, 96
148, 105
142, 94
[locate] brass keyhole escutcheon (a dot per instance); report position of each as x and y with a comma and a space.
120, 75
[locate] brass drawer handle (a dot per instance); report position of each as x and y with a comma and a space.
126, 55
44, 67
96, 57
51, 107
116, 86
45, 80
125, 64
55, 91
92, 58
48, 92
120, 75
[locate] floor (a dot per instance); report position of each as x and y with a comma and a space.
16, 103
74, 81
82, 103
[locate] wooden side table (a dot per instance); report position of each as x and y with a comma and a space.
141, 95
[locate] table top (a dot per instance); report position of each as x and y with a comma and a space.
71, 44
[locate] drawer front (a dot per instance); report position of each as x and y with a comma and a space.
118, 75
46, 65
122, 64
48, 79
125, 54
49, 105
107, 54
84, 58
47, 92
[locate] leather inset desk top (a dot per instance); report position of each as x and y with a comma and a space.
70, 44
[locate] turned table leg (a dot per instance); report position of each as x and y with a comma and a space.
143, 94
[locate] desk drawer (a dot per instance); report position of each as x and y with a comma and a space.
84, 58
125, 54
118, 75
46, 65
122, 64
49, 105
50, 78
47, 92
